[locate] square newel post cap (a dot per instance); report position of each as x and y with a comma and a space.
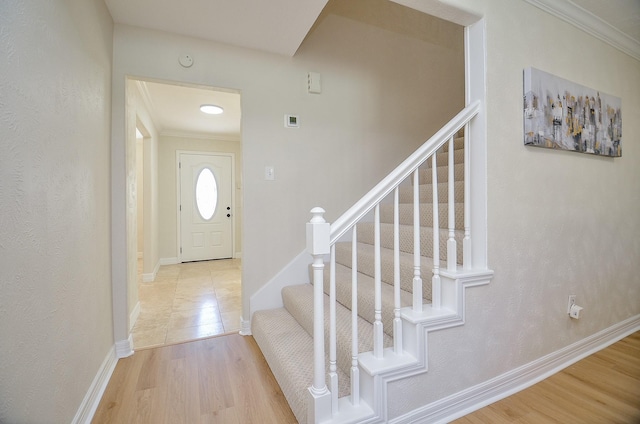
318, 231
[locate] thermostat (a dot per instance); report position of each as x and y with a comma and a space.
291, 121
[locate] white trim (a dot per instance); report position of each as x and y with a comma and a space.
464, 402
237, 255
269, 296
198, 135
133, 317
124, 348
92, 398
168, 261
245, 327
148, 278
590, 23
140, 254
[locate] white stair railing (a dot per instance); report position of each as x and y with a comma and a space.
321, 240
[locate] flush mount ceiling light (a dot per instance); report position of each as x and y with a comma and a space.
211, 109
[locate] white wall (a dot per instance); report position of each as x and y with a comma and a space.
150, 208
559, 223
168, 219
55, 282
383, 95
140, 193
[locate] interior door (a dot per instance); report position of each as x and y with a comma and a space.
206, 230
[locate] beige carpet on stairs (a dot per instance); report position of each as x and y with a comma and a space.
285, 334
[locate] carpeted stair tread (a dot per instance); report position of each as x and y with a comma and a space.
405, 214
405, 193
458, 143
366, 265
442, 157
366, 296
288, 349
298, 300
366, 235
425, 175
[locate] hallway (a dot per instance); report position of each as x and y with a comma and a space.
189, 301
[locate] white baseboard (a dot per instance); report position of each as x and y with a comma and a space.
169, 261
476, 397
245, 327
237, 255
133, 317
148, 278
93, 396
124, 348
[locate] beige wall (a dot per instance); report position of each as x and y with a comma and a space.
559, 223
149, 171
383, 95
168, 148
56, 325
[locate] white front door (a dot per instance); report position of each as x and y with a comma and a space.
206, 230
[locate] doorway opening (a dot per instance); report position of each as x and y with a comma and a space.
180, 295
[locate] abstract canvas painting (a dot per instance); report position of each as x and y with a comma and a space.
561, 114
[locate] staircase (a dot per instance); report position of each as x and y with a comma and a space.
398, 263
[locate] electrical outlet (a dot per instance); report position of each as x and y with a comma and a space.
572, 301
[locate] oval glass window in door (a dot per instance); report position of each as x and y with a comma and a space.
206, 194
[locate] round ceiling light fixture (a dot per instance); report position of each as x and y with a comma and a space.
211, 109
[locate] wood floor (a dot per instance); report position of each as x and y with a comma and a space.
219, 380
226, 380
602, 388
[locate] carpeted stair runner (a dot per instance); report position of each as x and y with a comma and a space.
285, 334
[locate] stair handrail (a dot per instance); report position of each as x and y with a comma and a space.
363, 206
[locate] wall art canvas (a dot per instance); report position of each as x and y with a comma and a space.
561, 114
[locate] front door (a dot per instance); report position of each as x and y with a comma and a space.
206, 230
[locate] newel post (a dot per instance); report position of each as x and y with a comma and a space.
319, 399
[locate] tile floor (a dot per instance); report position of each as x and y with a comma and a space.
187, 302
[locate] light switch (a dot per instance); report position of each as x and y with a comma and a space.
269, 173
314, 84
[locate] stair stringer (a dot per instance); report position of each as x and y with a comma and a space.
375, 374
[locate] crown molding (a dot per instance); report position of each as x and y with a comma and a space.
590, 23
198, 135
148, 102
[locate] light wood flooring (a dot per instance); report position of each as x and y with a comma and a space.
226, 380
188, 301
218, 380
602, 388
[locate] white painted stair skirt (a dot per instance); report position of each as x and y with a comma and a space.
398, 263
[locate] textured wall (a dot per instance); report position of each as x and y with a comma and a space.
55, 284
379, 84
559, 223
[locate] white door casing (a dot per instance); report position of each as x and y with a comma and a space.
205, 230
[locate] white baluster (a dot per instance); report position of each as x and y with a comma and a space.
452, 253
466, 243
435, 280
319, 399
355, 371
397, 322
417, 278
377, 321
333, 374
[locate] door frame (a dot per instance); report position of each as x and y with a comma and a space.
179, 198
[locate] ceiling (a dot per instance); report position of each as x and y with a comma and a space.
175, 110
276, 26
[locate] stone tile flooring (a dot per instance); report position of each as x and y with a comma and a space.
189, 301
